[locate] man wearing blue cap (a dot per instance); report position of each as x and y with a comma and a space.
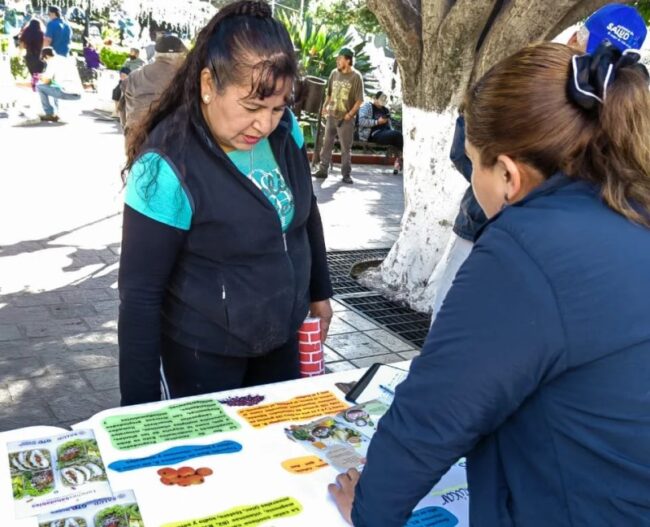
622, 26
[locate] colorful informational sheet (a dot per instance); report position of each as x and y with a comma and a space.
242, 458
119, 511
342, 440
297, 409
247, 516
189, 420
55, 472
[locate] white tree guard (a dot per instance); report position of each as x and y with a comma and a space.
432, 192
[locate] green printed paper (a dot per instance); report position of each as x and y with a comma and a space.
178, 421
247, 516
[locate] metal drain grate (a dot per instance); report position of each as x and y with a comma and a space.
408, 324
341, 262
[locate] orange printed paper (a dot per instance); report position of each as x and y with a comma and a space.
303, 465
297, 409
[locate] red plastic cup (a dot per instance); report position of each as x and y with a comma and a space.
310, 348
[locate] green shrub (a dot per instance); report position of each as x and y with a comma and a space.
113, 59
18, 68
318, 45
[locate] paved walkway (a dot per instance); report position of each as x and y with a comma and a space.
59, 252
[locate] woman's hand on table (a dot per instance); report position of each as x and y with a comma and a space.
343, 492
322, 310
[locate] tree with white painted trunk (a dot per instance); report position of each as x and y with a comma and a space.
442, 47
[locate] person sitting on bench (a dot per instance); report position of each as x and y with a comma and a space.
375, 127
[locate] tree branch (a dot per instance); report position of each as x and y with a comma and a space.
519, 23
578, 13
402, 21
449, 61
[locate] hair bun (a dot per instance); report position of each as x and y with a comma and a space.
256, 8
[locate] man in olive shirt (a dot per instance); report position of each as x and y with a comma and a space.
344, 97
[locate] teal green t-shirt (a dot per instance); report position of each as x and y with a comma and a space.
259, 165
154, 189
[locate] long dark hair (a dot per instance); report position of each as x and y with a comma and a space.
521, 108
239, 32
32, 36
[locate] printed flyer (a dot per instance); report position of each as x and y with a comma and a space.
120, 511
55, 472
342, 439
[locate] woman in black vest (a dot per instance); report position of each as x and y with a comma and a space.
223, 253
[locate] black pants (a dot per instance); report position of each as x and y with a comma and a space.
188, 372
388, 137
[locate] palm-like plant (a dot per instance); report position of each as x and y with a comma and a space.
317, 47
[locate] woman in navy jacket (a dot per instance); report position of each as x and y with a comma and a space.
538, 365
222, 250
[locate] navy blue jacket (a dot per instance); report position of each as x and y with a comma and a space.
537, 369
470, 217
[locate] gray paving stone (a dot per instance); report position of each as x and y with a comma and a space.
81, 296
103, 378
16, 315
329, 355
81, 406
47, 387
35, 347
343, 365
23, 368
14, 416
73, 361
337, 306
389, 340
110, 307
5, 395
91, 340
355, 345
102, 322
357, 321
408, 355
54, 328
72, 311
9, 332
338, 326
384, 359
36, 299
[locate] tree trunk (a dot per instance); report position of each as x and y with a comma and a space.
442, 47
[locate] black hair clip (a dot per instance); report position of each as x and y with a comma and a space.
591, 74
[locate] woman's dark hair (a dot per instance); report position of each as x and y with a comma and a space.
32, 36
378, 94
47, 52
521, 108
242, 44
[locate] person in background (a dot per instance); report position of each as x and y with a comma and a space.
118, 91
375, 126
344, 98
59, 81
134, 61
538, 366
58, 34
223, 254
145, 85
620, 24
31, 40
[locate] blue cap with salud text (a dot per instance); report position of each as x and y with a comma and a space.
621, 24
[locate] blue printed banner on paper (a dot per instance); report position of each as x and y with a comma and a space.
430, 516
176, 455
